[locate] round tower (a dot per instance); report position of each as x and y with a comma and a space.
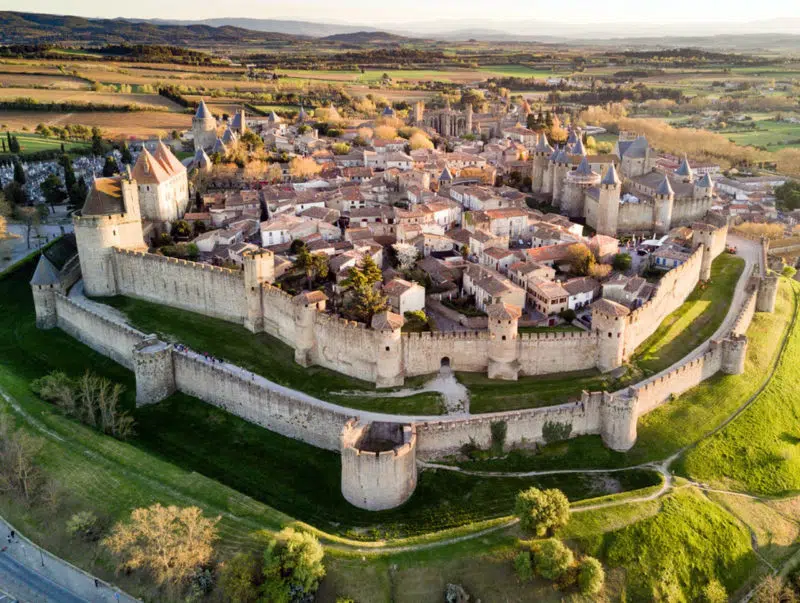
665, 201
503, 334
767, 293
560, 170
734, 354
379, 464
204, 127
389, 352
154, 370
618, 418
609, 321
540, 155
608, 203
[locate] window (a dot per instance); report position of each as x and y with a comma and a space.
387, 348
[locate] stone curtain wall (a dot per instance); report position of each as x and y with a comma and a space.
636, 217
283, 411
345, 346
108, 337
543, 353
673, 289
466, 350
208, 290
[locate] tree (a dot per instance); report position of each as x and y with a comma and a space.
240, 579
591, 576
789, 271
293, 566
15, 195
385, 133
127, 158
304, 167
523, 566
170, 542
773, 590
110, 166
98, 146
714, 592
541, 511
30, 217
78, 192
19, 450
622, 262
83, 525
340, 148
419, 140
599, 271
19, 172
69, 173
181, 230
788, 194
53, 191
371, 270
553, 559
366, 300
581, 259
252, 140
314, 265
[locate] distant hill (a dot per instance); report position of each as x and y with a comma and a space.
29, 28
367, 37
294, 28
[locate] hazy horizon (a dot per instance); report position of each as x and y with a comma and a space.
440, 15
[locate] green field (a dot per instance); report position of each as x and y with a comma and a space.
522, 71
672, 426
32, 143
695, 321
759, 451
770, 134
683, 330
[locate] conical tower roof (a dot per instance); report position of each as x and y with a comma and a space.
706, 181
542, 145
167, 158
665, 188
684, 169
611, 178
578, 148
45, 274
202, 111
584, 169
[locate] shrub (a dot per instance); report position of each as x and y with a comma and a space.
523, 566
568, 314
541, 511
553, 559
201, 582
714, 592
553, 431
498, 429
239, 579
292, 565
591, 576
622, 262
83, 525
789, 271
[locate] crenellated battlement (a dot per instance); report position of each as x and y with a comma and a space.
153, 257
448, 335
558, 335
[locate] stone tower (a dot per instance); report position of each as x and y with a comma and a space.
685, 171
560, 168
419, 112
706, 236
767, 293
608, 203
468, 125
703, 188
204, 127
618, 418
110, 218
541, 152
389, 352
734, 354
609, 321
549, 169
503, 351
259, 268
154, 370
44, 286
306, 306
664, 201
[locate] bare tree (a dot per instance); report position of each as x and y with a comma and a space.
19, 472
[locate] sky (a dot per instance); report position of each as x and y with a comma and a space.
395, 12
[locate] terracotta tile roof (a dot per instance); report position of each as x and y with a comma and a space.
606, 306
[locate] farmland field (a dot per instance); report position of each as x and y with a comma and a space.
134, 124
771, 134
86, 96
64, 82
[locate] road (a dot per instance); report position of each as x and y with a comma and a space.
26, 585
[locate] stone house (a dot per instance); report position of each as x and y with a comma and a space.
489, 287
404, 296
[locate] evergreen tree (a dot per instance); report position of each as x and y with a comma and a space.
98, 146
19, 172
14, 148
53, 190
69, 173
110, 166
126, 154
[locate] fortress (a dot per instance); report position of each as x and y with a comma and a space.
621, 192
378, 453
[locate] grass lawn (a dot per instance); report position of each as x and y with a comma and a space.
33, 143
771, 134
266, 356
695, 321
668, 428
759, 451
671, 556
683, 330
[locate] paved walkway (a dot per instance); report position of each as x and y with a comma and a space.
31, 574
